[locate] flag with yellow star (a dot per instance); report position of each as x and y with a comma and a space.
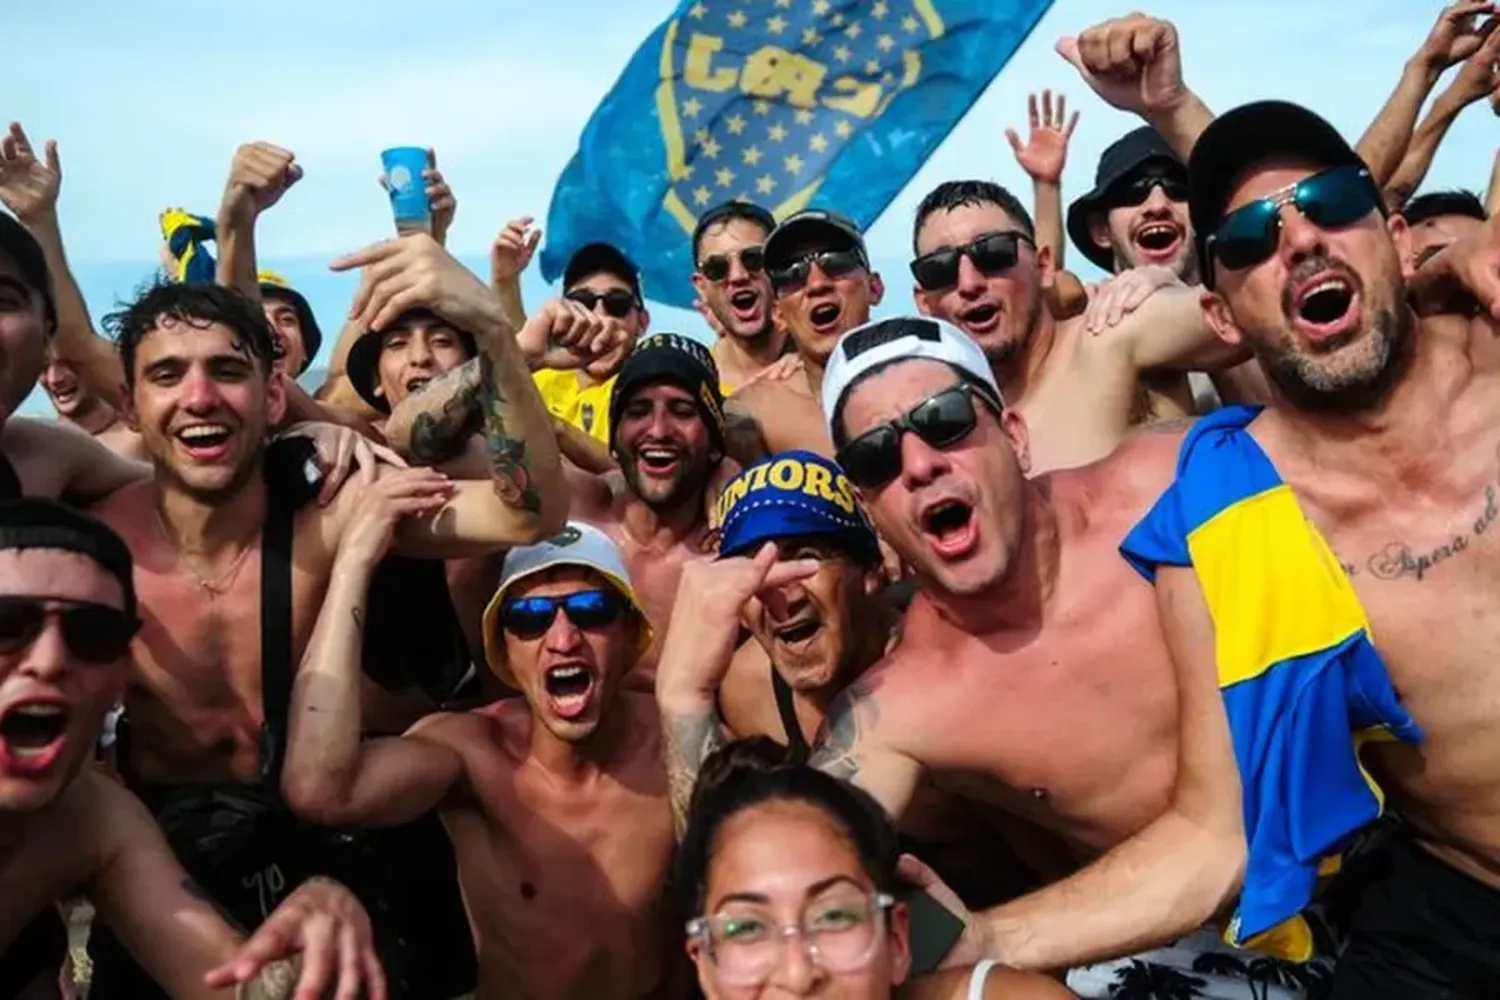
790, 104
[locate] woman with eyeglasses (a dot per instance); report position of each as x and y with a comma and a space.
791, 875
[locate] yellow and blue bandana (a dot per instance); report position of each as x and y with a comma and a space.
1301, 681
187, 237
793, 494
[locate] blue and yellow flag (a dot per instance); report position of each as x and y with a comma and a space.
1302, 684
787, 103
187, 237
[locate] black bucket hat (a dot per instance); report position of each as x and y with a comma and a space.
1122, 159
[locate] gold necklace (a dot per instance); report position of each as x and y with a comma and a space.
214, 588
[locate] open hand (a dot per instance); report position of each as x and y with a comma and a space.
28, 186
1045, 151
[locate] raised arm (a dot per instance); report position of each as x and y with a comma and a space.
1453, 37
1492, 193
696, 653
1183, 867
331, 776
1475, 81
1043, 157
510, 255
29, 187
1134, 64
526, 499
172, 928
259, 175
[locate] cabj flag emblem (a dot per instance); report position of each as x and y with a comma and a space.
787, 103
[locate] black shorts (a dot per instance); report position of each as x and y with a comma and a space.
1420, 930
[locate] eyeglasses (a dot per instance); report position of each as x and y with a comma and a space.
617, 301
95, 633
991, 254
1332, 199
1135, 192
839, 933
715, 267
834, 263
942, 421
531, 617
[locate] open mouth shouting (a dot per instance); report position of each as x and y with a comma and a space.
33, 734
747, 305
1325, 308
63, 393
949, 527
417, 383
980, 318
824, 318
797, 635
570, 690
205, 442
1157, 241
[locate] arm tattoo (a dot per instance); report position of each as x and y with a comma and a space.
508, 467
438, 437
277, 981
689, 740
836, 745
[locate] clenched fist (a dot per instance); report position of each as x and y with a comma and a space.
1133, 62
259, 175
565, 335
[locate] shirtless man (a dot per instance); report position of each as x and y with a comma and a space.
79, 407
824, 286
978, 268
817, 629
556, 803
67, 615
1386, 429
231, 570
734, 293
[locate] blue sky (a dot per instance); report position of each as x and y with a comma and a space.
152, 99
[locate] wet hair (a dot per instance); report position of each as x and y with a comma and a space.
959, 194
1456, 202
750, 772
197, 305
729, 211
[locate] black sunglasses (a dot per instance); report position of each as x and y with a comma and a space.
715, 267
95, 633
834, 263
991, 254
617, 301
1135, 192
942, 421
1331, 200
531, 617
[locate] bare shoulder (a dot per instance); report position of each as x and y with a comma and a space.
1127, 481
102, 819
459, 730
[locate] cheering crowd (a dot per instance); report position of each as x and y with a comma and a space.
1046, 640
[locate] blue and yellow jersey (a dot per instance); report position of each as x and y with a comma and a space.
1302, 683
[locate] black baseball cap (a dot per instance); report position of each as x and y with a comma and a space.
1120, 161
594, 258
1239, 139
839, 232
22, 247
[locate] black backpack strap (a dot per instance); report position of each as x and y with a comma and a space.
288, 489
796, 743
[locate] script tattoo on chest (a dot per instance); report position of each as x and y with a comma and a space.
1401, 560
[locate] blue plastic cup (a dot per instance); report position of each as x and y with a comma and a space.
407, 188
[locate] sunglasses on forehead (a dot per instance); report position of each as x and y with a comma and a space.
715, 267
531, 617
833, 263
1332, 199
941, 420
991, 254
617, 301
95, 633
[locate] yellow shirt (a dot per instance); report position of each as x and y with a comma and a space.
587, 409
584, 408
